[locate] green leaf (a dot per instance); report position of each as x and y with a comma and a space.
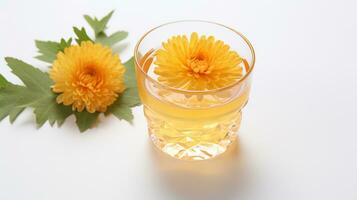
48, 109
36, 93
81, 35
104, 21
93, 22
64, 44
122, 111
98, 26
32, 77
3, 81
48, 49
112, 39
130, 77
45, 58
121, 108
13, 99
86, 120
15, 113
130, 97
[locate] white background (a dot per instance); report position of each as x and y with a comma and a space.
298, 136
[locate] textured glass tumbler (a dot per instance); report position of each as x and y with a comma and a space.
192, 125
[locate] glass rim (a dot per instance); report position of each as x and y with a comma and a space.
137, 62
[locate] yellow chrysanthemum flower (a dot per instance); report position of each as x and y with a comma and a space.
87, 76
198, 63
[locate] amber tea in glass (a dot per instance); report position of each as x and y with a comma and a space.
191, 124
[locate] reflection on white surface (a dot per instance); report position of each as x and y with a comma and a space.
218, 178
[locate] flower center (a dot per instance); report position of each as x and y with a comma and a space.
199, 66
88, 78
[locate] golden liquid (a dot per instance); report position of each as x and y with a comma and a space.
191, 127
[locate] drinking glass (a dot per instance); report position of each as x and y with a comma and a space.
191, 124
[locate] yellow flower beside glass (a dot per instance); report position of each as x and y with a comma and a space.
88, 76
193, 86
86, 80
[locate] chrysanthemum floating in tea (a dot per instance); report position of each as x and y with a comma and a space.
198, 63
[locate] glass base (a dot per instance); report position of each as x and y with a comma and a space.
194, 144
201, 151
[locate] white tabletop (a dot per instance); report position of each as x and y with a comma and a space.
298, 138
